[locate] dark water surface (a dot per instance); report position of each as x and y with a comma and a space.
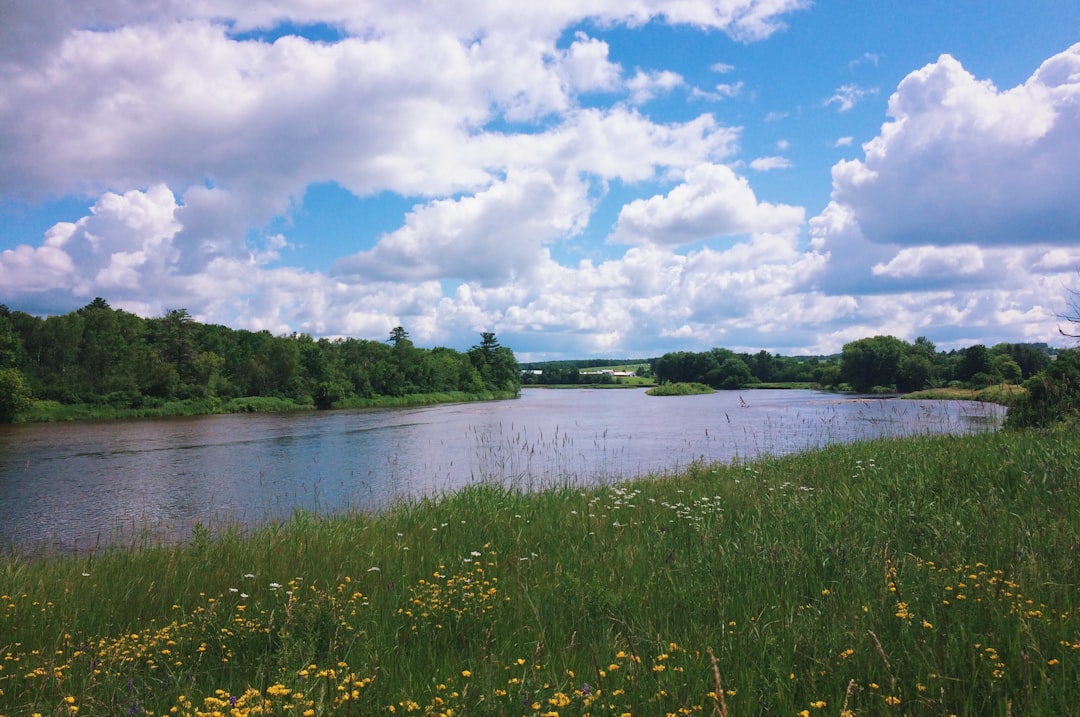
78, 485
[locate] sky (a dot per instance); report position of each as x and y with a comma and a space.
585, 178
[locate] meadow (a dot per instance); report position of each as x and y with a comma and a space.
921, 576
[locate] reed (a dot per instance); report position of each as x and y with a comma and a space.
929, 575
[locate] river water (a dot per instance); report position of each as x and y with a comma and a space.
75, 486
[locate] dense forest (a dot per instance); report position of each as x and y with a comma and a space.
881, 364
102, 356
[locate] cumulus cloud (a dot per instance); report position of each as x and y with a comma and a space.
963, 162
712, 201
958, 215
194, 138
491, 237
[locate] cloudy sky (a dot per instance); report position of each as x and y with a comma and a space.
618, 178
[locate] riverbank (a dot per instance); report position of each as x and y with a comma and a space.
930, 575
53, 411
1003, 394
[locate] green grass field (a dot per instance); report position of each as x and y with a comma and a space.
925, 576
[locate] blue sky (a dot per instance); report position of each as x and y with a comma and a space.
586, 178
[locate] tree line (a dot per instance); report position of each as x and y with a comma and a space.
881, 364
101, 355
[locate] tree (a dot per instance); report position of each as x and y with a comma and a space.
179, 343
1052, 395
976, 360
15, 396
873, 362
496, 364
1072, 314
914, 374
10, 343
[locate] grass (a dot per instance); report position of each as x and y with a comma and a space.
54, 411
1003, 394
922, 576
681, 389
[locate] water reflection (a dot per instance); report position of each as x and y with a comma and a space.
74, 486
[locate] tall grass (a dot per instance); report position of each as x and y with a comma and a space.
930, 575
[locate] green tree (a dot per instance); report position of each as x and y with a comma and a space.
914, 374
15, 395
1053, 395
874, 362
11, 348
1006, 369
975, 360
496, 364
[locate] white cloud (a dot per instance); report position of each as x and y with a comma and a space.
199, 147
847, 96
492, 237
867, 58
844, 142
765, 164
958, 215
951, 262
962, 162
712, 202
644, 86
586, 67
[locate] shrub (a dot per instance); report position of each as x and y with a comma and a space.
1053, 394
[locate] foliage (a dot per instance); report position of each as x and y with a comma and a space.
15, 396
120, 364
1053, 395
496, 364
872, 362
886, 363
680, 389
924, 576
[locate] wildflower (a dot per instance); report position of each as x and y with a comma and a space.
819, 705
892, 701
466, 673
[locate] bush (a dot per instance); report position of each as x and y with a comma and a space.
1053, 395
15, 395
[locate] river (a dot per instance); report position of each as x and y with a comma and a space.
75, 486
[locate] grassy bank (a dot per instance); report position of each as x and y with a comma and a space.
925, 576
1003, 394
681, 389
53, 411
